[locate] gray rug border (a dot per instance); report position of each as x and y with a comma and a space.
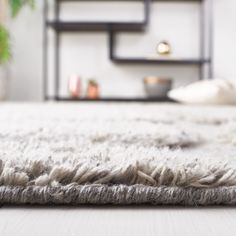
117, 195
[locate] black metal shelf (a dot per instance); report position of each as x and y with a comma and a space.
111, 99
161, 61
96, 26
204, 62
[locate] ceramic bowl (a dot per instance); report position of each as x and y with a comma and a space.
157, 87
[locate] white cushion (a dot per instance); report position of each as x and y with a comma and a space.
216, 91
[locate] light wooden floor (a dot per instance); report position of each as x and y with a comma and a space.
109, 221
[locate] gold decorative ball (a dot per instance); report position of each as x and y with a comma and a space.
163, 48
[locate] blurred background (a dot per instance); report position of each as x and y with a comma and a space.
85, 55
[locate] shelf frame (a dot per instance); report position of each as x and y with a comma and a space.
112, 99
161, 61
205, 10
204, 63
73, 26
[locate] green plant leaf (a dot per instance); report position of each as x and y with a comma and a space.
16, 5
5, 53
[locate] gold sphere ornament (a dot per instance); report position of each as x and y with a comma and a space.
163, 48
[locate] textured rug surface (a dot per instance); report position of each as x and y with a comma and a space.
117, 154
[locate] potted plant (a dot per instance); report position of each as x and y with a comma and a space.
93, 89
12, 7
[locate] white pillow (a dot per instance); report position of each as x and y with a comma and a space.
215, 91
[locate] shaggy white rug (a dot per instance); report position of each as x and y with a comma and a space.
117, 154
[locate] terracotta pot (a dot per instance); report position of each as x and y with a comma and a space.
93, 91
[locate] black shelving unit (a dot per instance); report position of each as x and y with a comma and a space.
206, 18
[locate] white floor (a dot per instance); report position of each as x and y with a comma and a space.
118, 221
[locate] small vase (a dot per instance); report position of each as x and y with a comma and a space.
74, 86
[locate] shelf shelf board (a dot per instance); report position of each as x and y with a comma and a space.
112, 99
161, 61
96, 26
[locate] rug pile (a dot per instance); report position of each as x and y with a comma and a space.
160, 154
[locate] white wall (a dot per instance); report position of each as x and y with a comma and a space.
87, 55
25, 69
225, 38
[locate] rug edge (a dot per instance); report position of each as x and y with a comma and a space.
117, 195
